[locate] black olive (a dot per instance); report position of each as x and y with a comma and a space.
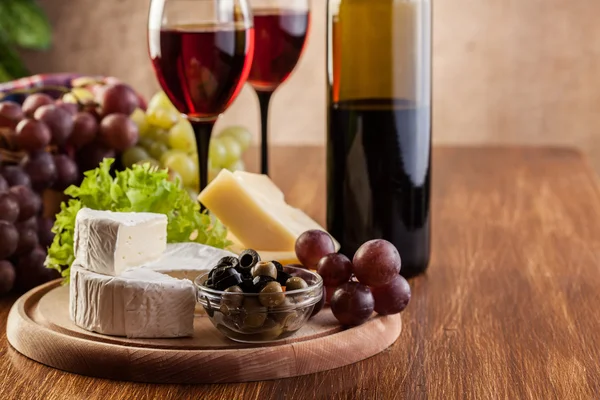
247, 285
260, 282
282, 277
228, 261
265, 268
278, 266
247, 259
226, 277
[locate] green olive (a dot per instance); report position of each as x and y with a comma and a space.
285, 318
271, 295
254, 315
233, 297
271, 330
295, 283
265, 268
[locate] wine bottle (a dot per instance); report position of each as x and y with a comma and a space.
379, 126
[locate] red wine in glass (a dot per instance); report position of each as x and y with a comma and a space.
202, 69
280, 36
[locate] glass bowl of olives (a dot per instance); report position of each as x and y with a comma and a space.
265, 303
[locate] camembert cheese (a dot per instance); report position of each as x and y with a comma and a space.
254, 210
110, 242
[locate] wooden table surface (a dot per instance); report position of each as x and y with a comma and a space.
508, 308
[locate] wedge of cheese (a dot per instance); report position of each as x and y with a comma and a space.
255, 211
140, 303
110, 242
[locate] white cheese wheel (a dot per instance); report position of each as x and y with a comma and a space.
110, 242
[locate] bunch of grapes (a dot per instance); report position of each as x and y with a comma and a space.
45, 144
354, 289
167, 140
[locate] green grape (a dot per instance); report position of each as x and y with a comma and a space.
160, 101
145, 142
164, 119
139, 118
217, 153
213, 172
238, 166
181, 136
158, 134
79, 95
133, 155
194, 157
240, 134
179, 162
150, 161
170, 153
157, 149
233, 151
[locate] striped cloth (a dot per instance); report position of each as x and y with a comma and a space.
35, 82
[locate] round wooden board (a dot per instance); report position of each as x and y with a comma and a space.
39, 327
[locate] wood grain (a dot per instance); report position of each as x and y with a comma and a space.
507, 310
39, 327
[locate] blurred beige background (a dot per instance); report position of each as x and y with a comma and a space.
505, 71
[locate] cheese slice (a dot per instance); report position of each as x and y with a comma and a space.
110, 242
255, 211
140, 303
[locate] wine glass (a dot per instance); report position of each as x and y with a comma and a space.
280, 28
201, 51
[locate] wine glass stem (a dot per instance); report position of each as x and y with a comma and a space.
203, 131
264, 98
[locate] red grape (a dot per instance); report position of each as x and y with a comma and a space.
71, 108
7, 276
118, 132
84, 130
32, 135
35, 101
393, 297
58, 120
3, 184
67, 172
352, 303
45, 234
31, 271
28, 240
313, 245
328, 292
90, 156
9, 207
10, 114
15, 176
30, 223
335, 269
41, 170
29, 202
376, 262
9, 238
119, 98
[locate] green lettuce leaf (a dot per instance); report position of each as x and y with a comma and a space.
143, 188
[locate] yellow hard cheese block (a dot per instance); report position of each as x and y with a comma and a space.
255, 211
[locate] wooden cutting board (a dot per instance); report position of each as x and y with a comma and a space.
39, 327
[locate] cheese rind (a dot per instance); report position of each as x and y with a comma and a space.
140, 303
254, 210
110, 242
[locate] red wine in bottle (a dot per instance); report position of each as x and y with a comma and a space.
201, 67
280, 37
379, 127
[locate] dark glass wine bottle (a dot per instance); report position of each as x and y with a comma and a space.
379, 126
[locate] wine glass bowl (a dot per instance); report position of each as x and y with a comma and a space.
281, 28
201, 51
